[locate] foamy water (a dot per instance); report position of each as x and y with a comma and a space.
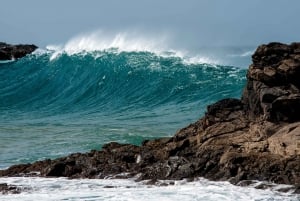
115, 189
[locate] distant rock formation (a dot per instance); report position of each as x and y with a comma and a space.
10, 52
256, 137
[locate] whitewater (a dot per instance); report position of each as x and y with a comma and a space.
125, 88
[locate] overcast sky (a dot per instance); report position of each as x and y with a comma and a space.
190, 22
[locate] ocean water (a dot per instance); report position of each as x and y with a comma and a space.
79, 96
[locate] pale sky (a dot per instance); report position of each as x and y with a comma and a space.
191, 22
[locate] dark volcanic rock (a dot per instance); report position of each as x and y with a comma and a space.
9, 52
255, 138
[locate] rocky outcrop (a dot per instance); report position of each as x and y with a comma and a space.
273, 83
256, 137
10, 52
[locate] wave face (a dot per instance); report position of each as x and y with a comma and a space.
54, 104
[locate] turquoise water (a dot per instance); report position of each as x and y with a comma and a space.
53, 106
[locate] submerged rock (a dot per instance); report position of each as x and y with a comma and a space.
10, 52
9, 189
256, 137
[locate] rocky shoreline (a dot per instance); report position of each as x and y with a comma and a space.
256, 137
11, 52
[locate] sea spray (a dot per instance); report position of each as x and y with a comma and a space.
129, 41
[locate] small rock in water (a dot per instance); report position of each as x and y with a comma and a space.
9, 189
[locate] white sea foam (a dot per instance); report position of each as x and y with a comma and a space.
201, 60
244, 54
127, 41
95, 189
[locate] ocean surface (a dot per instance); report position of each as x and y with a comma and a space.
77, 97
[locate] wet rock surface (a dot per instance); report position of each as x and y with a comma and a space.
256, 137
9, 189
10, 52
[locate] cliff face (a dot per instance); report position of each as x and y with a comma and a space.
9, 52
255, 138
273, 83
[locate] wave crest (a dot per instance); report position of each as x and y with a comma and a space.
100, 41
128, 42
119, 42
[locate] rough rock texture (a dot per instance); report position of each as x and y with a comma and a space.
273, 83
255, 138
9, 52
